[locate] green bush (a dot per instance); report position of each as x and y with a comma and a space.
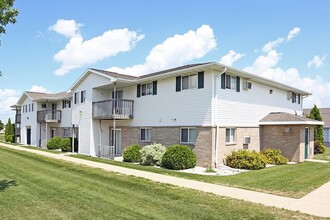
152, 154
319, 148
132, 153
9, 138
274, 156
179, 157
245, 159
66, 145
54, 143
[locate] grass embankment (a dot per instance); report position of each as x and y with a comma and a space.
36, 187
286, 180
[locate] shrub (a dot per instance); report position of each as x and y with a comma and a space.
132, 153
179, 157
319, 148
66, 145
152, 154
9, 138
274, 156
54, 143
245, 159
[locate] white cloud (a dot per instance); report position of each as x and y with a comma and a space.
8, 97
267, 66
272, 44
68, 28
175, 51
316, 62
36, 88
293, 33
231, 57
79, 52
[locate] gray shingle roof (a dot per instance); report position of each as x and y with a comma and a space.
286, 118
51, 96
325, 113
116, 75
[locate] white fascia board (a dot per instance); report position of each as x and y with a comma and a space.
292, 123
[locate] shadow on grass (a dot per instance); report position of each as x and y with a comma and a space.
4, 184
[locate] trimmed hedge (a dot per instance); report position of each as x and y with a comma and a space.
132, 154
274, 156
179, 157
66, 145
54, 143
245, 159
152, 154
319, 148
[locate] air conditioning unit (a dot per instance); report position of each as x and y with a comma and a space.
289, 95
247, 85
246, 140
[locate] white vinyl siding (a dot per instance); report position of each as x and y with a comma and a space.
145, 134
188, 135
230, 135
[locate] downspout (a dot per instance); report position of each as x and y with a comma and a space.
215, 97
100, 136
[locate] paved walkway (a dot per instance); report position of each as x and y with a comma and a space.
316, 203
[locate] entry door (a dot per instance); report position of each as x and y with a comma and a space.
306, 143
116, 141
28, 136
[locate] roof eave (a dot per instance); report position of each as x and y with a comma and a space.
291, 123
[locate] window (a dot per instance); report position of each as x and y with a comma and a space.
76, 97
146, 89
66, 132
43, 105
188, 135
230, 82
66, 104
295, 98
230, 135
145, 134
326, 134
29, 107
189, 82
83, 96
32, 107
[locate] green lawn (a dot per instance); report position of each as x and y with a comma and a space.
286, 180
36, 187
324, 156
2, 137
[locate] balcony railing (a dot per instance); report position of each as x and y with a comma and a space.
49, 116
113, 109
18, 119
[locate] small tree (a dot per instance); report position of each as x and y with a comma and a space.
1, 125
10, 131
318, 129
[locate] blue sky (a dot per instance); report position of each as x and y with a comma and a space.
54, 42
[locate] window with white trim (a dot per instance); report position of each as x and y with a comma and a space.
145, 134
188, 135
146, 89
189, 82
83, 96
66, 132
43, 105
66, 104
230, 135
231, 82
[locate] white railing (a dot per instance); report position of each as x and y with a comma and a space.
106, 151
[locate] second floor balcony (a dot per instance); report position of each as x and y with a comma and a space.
49, 116
113, 109
18, 118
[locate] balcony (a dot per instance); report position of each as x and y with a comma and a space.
113, 109
49, 116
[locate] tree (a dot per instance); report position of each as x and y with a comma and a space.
8, 14
1, 125
318, 129
10, 131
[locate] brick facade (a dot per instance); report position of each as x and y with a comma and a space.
290, 139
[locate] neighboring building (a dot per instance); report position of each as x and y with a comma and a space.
325, 113
212, 108
41, 116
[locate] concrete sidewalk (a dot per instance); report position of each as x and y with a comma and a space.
316, 203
